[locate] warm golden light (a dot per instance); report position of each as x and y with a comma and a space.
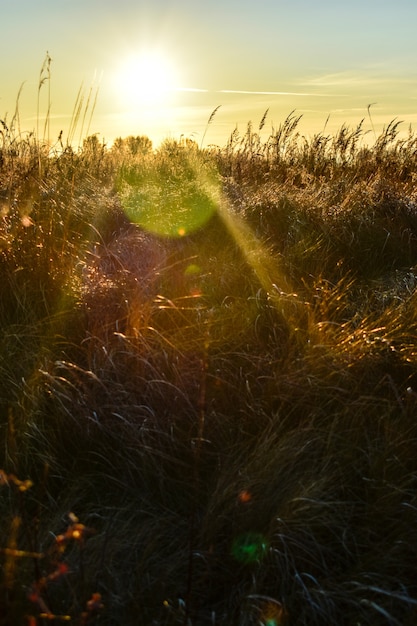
146, 79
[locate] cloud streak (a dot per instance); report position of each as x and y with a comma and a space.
274, 93
191, 90
370, 78
251, 92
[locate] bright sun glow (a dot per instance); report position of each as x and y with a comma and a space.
147, 79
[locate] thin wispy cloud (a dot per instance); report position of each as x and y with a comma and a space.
349, 79
191, 90
273, 93
252, 92
341, 79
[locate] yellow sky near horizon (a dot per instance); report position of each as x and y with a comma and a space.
161, 67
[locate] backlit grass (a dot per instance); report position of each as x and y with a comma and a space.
214, 426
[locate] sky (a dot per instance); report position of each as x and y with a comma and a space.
160, 67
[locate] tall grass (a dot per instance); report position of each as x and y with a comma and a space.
218, 428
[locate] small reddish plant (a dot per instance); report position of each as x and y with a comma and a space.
50, 567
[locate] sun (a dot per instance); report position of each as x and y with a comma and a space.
147, 79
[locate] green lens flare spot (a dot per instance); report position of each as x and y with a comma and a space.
168, 213
249, 547
172, 193
192, 270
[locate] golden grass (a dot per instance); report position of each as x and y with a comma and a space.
230, 413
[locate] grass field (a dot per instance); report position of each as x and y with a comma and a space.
208, 381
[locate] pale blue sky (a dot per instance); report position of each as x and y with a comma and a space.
323, 58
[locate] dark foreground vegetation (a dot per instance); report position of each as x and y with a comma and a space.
219, 426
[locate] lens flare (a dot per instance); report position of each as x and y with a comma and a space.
168, 214
244, 496
249, 547
192, 270
173, 194
273, 613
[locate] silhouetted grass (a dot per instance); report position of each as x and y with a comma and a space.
219, 427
